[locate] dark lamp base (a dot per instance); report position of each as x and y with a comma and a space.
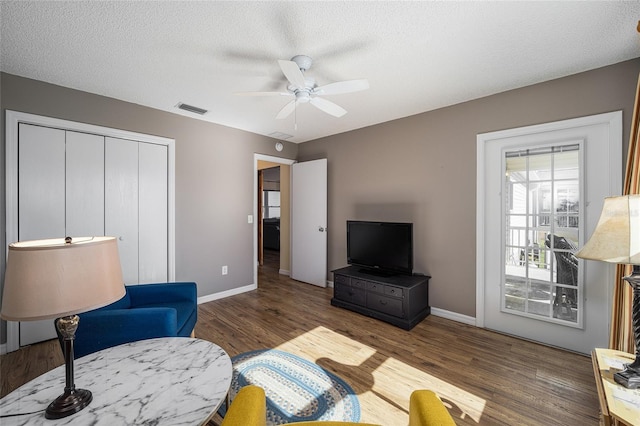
68, 403
628, 378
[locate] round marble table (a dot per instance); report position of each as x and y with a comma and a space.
167, 381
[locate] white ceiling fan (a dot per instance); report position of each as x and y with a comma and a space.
305, 90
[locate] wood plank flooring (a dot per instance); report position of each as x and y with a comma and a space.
485, 378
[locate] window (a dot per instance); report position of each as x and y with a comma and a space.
270, 204
542, 218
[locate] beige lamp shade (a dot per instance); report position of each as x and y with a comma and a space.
616, 238
52, 278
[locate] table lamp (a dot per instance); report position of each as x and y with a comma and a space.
59, 278
617, 240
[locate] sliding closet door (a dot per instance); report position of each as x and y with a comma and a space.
153, 214
121, 202
84, 185
136, 188
41, 164
41, 197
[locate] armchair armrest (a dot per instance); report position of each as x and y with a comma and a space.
249, 408
426, 409
148, 294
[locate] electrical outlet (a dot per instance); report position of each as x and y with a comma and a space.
224, 270
250, 218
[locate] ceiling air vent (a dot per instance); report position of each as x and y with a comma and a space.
192, 109
280, 135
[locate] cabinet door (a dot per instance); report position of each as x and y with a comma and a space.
152, 205
84, 185
121, 202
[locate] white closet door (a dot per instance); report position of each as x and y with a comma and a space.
121, 202
41, 200
41, 163
84, 185
153, 185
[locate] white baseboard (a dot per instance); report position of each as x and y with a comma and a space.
284, 272
454, 316
223, 294
3, 349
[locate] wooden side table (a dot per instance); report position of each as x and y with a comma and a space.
618, 405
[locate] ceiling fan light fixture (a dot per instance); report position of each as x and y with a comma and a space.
302, 61
302, 96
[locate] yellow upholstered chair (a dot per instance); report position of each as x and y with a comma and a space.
426, 409
249, 408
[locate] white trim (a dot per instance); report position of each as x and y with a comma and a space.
284, 272
256, 158
227, 293
480, 232
454, 316
13, 119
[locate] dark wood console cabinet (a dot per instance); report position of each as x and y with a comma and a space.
402, 300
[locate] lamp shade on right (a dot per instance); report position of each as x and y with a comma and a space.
616, 238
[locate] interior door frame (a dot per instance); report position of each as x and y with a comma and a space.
261, 157
614, 122
13, 119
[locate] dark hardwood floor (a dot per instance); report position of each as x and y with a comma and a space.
483, 377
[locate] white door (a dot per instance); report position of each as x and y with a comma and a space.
41, 197
121, 202
84, 185
153, 220
309, 222
540, 193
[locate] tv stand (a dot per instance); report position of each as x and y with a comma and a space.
401, 300
376, 272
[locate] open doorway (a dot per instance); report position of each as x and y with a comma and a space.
269, 214
272, 214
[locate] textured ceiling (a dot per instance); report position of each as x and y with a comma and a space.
417, 56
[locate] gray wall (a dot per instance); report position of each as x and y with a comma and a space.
422, 169
214, 176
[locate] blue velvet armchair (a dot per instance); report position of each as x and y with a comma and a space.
146, 311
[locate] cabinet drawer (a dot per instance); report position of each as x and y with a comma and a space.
377, 287
359, 283
393, 291
341, 279
350, 294
385, 304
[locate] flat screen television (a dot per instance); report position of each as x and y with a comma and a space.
384, 248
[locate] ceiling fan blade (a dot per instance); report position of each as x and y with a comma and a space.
292, 72
328, 107
343, 87
286, 110
263, 94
